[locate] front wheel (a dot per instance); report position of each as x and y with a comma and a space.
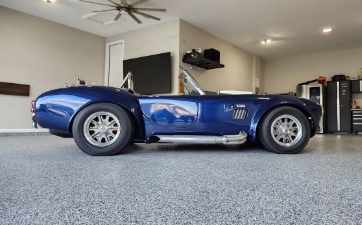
284, 130
102, 129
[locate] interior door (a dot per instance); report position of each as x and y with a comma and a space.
114, 64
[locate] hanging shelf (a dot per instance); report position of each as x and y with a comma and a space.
196, 59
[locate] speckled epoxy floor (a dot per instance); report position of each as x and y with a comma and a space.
48, 180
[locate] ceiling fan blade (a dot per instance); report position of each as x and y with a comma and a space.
148, 9
96, 3
134, 17
146, 15
104, 10
118, 16
139, 2
113, 2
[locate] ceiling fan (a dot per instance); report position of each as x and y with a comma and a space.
123, 6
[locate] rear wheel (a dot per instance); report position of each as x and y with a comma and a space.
102, 129
284, 130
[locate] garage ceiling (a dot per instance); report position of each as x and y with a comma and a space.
294, 26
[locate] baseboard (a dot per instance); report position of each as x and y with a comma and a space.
23, 130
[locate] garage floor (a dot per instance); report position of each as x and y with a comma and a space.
48, 180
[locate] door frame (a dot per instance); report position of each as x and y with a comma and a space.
106, 64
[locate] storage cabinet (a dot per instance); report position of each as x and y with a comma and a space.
356, 86
339, 106
317, 94
357, 120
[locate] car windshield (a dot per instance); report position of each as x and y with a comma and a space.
190, 84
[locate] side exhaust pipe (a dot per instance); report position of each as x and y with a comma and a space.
195, 139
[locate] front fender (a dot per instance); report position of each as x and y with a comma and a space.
273, 103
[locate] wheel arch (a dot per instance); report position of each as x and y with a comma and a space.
262, 114
138, 122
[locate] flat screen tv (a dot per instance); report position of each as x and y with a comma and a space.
151, 74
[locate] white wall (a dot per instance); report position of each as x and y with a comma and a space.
44, 55
153, 40
238, 71
282, 75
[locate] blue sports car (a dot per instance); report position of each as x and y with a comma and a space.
105, 120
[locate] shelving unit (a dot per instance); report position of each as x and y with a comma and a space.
201, 61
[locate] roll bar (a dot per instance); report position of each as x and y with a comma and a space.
128, 78
192, 81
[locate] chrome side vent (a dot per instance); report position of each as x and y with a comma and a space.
240, 114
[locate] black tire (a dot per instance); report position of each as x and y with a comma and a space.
275, 119
103, 144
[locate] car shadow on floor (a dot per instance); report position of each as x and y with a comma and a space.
247, 147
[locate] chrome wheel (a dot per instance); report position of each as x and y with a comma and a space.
286, 130
102, 129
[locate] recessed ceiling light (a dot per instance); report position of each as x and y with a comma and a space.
266, 41
327, 30
49, 1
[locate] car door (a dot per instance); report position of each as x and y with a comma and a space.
170, 111
226, 114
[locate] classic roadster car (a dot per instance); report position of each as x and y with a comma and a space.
105, 120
